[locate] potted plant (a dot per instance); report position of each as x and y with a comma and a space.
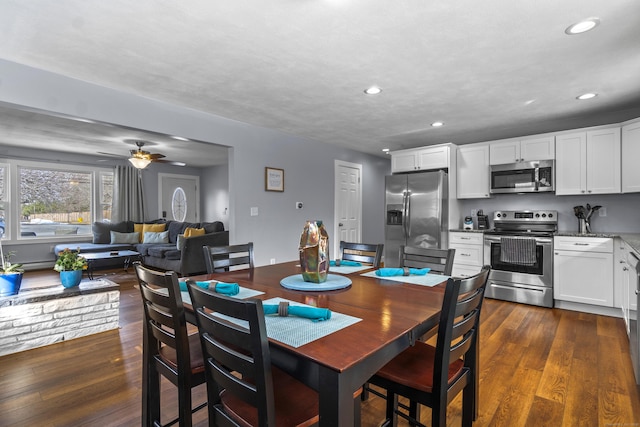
10, 274
70, 265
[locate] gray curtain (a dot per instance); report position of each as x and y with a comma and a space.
128, 195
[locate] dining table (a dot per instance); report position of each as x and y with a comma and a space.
383, 316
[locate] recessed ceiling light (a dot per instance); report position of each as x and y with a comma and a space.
386, 150
437, 124
529, 102
586, 96
582, 26
180, 138
373, 90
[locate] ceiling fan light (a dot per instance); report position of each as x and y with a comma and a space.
139, 163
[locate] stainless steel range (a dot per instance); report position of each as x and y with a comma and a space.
519, 250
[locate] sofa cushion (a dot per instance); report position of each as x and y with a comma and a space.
212, 227
191, 232
176, 227
102, 230
173, 254
156, 237
159, 251
143, 228
131, 238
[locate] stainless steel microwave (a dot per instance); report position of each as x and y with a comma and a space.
523, 177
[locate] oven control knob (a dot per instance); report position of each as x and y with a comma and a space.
544, 215
498, 215
537, 215
550, 215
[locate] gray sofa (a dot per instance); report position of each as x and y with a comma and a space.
188, 260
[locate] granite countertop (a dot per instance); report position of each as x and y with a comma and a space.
633, 239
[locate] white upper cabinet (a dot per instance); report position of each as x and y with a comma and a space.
416, 159
523, 150
473, 171
630, 157
588, 162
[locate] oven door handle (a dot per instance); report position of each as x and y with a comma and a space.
538, 239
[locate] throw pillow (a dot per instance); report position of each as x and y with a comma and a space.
101, 230
130, 238
180, 242
142, 228
191, 232
156, 237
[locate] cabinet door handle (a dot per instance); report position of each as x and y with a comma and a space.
581, 244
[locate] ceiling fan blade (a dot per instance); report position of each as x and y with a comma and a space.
170, 162
156, 156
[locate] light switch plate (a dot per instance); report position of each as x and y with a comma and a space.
254, 211
602, 211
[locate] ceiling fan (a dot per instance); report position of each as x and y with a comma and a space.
141, 158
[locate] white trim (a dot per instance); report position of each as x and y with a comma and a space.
195, 178
336, 213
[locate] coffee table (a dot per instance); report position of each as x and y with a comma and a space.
93, 257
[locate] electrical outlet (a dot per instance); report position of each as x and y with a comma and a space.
602, 211
299, 205
51, 248
474, 212
254, 211
272, 261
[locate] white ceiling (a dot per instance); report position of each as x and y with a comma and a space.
489, 69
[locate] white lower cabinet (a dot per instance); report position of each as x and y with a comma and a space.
469, 253
583, 270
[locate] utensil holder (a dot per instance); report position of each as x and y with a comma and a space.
582, 226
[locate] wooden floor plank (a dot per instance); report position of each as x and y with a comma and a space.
538, 367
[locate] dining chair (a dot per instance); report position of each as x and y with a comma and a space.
438, 260
433, 376
224, 258
361, 252
243, 388
167, 348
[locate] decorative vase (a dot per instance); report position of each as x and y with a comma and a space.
71, 278
10, 284
314, 252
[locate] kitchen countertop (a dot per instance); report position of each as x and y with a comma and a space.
633, 239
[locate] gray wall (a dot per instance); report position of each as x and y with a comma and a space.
623, 210
308, 164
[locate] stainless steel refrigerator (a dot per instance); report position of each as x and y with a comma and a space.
416, 213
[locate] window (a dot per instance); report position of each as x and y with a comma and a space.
42, 201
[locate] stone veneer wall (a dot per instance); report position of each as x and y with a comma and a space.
40, 321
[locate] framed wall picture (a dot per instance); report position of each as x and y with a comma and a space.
273, 179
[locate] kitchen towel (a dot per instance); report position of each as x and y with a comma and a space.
284, 309
386, 272
518, 250
344, 263
213, 285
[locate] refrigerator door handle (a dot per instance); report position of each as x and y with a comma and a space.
407, 217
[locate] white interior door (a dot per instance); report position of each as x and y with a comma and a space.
179, 197
348, 203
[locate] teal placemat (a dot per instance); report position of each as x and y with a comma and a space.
426, 280
297, 283
298, 331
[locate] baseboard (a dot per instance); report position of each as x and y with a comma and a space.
44, 265
588, 308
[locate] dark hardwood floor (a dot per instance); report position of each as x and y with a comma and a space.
539, 367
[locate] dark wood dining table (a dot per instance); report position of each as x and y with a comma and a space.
394, 315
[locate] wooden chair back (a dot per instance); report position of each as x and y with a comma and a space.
225, 258
240, 379
361, 252
167, 348
438, 260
